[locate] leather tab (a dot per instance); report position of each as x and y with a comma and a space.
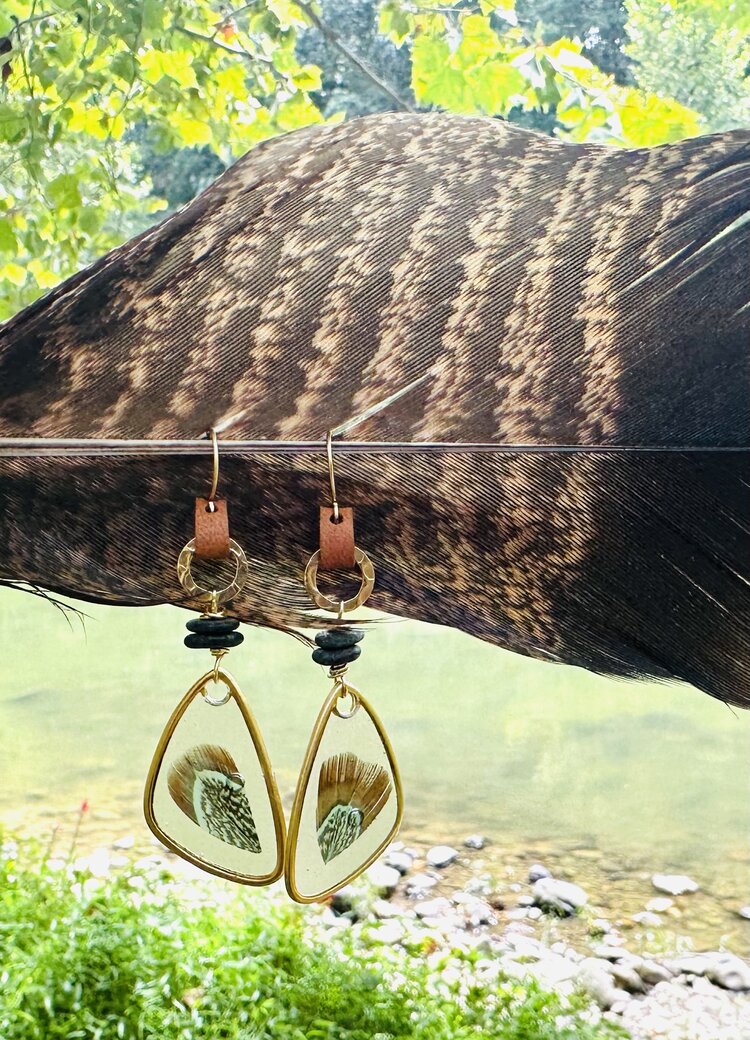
211, 530
336, 540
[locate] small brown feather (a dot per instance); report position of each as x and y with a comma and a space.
182, 773
347, 780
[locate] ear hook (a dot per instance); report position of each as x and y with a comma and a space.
215, 477
332, 477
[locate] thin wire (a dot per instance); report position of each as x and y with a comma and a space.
62, 447
332, 477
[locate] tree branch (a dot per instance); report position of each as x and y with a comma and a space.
335, 40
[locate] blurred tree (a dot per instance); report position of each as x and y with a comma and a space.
697, 51
111, 110
345, 87
78, 73
599, 24
480, 58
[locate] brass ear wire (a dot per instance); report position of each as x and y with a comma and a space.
215, 476
332, 477
360, 558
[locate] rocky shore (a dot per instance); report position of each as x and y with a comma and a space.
637, 971
520, 931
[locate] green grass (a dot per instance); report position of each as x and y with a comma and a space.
139, 956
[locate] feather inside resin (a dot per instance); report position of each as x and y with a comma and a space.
351, 793
206, 784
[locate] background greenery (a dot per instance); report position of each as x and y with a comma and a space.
136, 958
113, 111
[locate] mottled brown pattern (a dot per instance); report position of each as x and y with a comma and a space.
549, 293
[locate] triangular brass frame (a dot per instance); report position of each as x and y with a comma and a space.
268, 776
301, 790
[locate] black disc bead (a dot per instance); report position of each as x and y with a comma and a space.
333, 638
341, 655
201, 641
212, 626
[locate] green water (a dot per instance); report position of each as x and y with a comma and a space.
535, 755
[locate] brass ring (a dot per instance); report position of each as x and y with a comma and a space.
367, 584
352, 693
214, 596
216, 702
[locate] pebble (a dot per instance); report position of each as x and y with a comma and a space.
647, 919
389, 933
561, 896
383, 878
434, 907
595, 978
744, 911
723, 969
419, 885
659, 905
538, 871
127, 841
400, 861
441, 856
475, 841
674, 884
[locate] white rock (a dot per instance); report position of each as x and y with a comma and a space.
534, 913
562, 896
383, 878
390, 933
659, 905
537, 871
744, 911
127, 841
400, 861
595, 978
418, 885
652, 972
627, 977
441, 856
434, 908
730, 972
475, 841
647, 919
674, 884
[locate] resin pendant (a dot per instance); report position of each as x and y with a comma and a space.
348, 803
211, 795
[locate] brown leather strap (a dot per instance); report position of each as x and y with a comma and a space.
336, 540
211, 530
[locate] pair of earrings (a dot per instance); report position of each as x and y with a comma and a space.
211, 794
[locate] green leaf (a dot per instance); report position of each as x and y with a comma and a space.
14, 273
8, 240
63, 191
394, 22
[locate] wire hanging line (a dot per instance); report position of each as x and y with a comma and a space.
70, 447
61, 447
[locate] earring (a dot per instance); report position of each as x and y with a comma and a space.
348, 802
211, 795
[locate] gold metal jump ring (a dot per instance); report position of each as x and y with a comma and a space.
345, 690
337, 606
216, 702
214, 596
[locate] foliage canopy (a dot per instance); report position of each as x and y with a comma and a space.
111, 110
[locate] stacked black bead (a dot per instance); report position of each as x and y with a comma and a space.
337, 646
213, 633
